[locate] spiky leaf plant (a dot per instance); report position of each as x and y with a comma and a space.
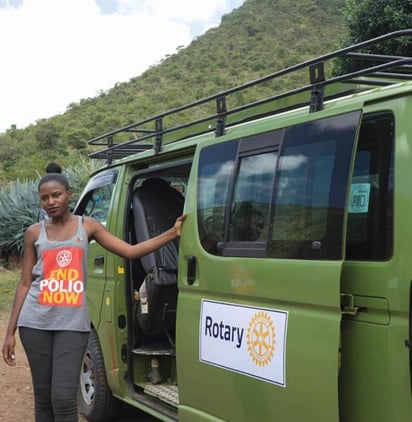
20, 205
19, 208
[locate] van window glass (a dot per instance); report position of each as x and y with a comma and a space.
304, 187
289, 192
252, 197
370, 208
216, 166
97, 195
98, 203
310, 191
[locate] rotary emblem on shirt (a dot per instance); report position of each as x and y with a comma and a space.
64, 258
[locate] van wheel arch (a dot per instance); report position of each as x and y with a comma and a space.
96, 401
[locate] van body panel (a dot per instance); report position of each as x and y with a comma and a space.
105, 291
98, 269
375, 359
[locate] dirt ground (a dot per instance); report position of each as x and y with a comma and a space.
16, 393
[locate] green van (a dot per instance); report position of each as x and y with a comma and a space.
288, 295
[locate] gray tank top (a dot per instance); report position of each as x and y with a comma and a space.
56, 299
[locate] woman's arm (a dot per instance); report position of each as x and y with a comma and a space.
23, 286
118, 246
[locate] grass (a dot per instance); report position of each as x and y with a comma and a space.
8, 280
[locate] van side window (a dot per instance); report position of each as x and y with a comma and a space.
278, 194
301, 206
252, 197
98, 203
310, 192
370, 209
97, 196
215, 172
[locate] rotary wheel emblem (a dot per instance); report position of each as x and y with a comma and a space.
261, 338
64, 258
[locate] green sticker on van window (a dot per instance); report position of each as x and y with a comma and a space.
359, 198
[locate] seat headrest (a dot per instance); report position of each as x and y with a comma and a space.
155, 183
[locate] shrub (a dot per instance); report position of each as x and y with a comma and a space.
20, 206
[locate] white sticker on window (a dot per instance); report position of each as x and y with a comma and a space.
359, 198
243, 339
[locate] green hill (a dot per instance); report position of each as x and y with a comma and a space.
258, 38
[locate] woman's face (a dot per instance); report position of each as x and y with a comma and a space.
54, 198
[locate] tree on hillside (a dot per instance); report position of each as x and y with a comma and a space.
365, 19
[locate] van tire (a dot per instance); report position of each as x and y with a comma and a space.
96, 401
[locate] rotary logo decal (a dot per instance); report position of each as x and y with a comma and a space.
245, 339
261, 338
64, 258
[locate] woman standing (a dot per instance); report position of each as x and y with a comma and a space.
50, 306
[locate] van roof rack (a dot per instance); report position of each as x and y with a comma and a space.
372, 70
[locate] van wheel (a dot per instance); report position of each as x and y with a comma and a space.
96, 401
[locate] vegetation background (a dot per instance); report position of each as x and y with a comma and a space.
258, 38
7, 288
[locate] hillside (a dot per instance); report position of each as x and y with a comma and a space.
258, 38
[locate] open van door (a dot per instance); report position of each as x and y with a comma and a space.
95, 202
258, 328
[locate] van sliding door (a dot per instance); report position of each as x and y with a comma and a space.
259, 303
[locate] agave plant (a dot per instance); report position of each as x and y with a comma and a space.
20, 206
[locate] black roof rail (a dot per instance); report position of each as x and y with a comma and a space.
373, 70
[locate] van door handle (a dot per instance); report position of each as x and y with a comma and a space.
99, 260
191, 269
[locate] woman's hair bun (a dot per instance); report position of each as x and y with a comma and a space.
53, 168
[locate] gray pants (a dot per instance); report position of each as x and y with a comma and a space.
55, 359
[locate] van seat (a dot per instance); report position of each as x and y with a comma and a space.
156, 205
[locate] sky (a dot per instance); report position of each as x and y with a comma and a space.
57, 52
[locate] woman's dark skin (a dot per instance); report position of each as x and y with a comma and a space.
62, 225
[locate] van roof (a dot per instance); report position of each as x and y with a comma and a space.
372, 71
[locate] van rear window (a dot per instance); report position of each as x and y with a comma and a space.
370, 208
